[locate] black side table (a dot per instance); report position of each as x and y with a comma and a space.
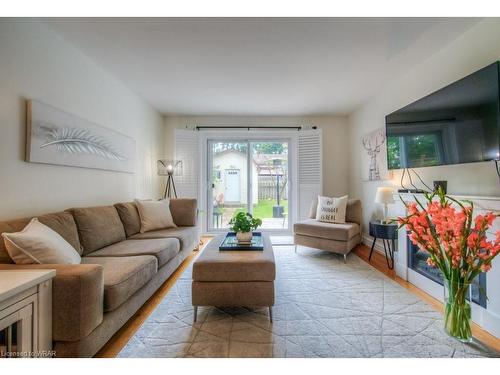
388, 233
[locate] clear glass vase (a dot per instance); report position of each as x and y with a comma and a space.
457, 310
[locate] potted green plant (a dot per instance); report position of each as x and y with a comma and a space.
243, 224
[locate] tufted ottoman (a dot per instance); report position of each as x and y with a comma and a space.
234, 278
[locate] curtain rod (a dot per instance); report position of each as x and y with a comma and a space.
251, 127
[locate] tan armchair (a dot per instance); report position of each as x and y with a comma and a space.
333, 237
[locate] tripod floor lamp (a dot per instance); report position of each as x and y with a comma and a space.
169, 168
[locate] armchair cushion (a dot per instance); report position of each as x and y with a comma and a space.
330, 231
353, 211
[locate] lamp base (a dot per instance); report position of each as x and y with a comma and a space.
170, 191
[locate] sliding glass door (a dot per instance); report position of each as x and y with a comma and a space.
228, 166
270, 183
249, 176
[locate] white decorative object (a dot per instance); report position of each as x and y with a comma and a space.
385, 196
57, 137
331, 210
374, 157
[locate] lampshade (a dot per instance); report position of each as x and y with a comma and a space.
169, 167
385, 195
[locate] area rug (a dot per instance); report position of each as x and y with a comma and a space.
324, 308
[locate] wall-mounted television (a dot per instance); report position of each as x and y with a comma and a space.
457, 124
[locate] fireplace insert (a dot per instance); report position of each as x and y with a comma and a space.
417, 261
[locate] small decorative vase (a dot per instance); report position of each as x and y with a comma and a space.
244, 236
457, 310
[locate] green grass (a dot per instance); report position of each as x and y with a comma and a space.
264, 209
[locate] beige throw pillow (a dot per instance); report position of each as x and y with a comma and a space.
331, 210
38, 244
155, 214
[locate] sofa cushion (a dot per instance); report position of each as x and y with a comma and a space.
98, 227
184, 211
163, 249
330, 231
189, 237
154, 215
130, 217
123, 276
61, 222
38, 244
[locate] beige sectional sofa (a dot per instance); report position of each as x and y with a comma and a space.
121, 268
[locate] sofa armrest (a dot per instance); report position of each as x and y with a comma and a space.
77, 298
184, 211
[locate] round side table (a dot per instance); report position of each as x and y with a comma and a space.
388, 233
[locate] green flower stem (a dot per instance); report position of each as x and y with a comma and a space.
457, 311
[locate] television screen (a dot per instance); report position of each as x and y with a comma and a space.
457, 124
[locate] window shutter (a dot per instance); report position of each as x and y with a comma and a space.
310, 177
187, 150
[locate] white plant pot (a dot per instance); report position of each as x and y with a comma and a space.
244, 236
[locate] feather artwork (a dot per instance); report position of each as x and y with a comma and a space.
77, 141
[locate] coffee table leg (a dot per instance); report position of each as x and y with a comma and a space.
195, 313
271, 314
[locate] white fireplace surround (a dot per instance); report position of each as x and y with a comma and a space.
489, 318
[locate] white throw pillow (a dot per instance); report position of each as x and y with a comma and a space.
331, 210
38, 244
155, 214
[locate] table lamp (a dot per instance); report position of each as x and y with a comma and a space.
169, 168
385, 196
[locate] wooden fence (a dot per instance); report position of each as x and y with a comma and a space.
267, 188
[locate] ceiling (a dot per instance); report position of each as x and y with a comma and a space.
258, 66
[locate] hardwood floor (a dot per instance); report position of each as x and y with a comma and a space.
120, 339
378, 261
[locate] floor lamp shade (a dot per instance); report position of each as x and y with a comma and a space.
166, 167
169, 168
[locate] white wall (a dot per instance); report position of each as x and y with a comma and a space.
335, 140
471, 51
35, 63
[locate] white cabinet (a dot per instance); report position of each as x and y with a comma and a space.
26, 313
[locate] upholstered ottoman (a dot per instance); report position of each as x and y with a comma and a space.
234, 278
